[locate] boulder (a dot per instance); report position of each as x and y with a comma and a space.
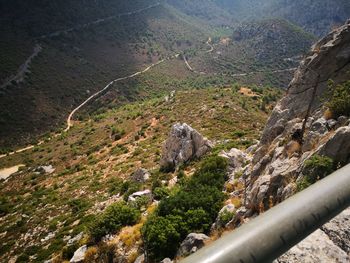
140, 259
183, 144
338, 146
75, 239
320, 126
139, 194
45, 169
236, 158
166, 260
230, 208
191, 244
141, 175
79, 255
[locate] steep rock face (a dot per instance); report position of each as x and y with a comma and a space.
284, 147
297, 130
183, 144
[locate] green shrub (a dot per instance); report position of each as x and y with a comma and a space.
339, 101
78, 205
68, 251
161, 237
315, 168
132, 188
193, 208
161, 193
113, 219
225, 217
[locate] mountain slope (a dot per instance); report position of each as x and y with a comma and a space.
91, 162
316, 17
75, 64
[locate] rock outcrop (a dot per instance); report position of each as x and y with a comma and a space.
191, 244
297, 128
146, 193
329, 244
79, 255
236, 159
141, 175
183, 144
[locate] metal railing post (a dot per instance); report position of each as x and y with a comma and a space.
273, 233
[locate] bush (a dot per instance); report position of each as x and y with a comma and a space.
132, 188
315, 168
78, 205
339, 102
113, 219
160, 193
161, 237
193, 208
225, 217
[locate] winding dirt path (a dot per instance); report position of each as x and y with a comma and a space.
190, 68
96, 22
74, 111
69, 119
210, 46
24, 68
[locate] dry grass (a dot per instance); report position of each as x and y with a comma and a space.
328, 114
91, 254
292, 147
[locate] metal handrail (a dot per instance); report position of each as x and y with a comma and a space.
273, 233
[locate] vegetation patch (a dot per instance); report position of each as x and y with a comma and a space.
316, 168
193, 208
339, 99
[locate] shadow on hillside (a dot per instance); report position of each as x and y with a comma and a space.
72, 65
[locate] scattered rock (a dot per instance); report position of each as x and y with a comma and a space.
79, 255
139, 194
45, 169
140, 259
320, 126
75, 239
191, 244
48, 237
342, 121
183, 144
331, 124
141, 175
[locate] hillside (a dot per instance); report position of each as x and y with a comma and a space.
91, 161
72, 65
316, 17
141, 131
268, 51
79, 55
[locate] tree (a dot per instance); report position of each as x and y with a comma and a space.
113, 219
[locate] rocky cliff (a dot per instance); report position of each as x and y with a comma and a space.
305, 133
301, 126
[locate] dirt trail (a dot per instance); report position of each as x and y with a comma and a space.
96, 22
210, 46
24, 68
69, 119
70, 116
